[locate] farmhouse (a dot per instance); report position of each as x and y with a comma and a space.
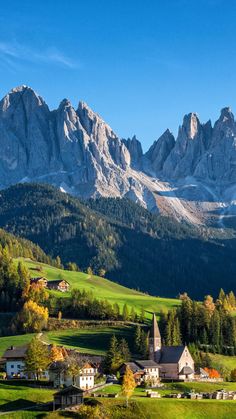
59, 285
175, 362
143, 371
14, 359
58, 374
14, 363
43, 282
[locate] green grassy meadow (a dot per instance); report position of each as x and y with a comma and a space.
89, 341
104, 289
16, 396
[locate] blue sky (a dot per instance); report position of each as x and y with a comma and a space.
141, 65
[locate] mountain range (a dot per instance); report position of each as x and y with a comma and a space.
191, 178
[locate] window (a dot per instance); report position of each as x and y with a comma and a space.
18, 366
12, 366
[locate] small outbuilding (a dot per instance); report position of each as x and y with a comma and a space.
69, 396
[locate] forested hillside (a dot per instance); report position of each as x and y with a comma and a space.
134, 247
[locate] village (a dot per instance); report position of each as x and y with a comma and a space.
76, 376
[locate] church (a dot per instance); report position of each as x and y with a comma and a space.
174, 362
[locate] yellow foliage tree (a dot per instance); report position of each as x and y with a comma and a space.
128, 384
56, 353
33, 317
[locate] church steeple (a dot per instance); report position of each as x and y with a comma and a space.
154, 340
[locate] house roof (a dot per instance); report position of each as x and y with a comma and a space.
15, 352
171, 354
39, 278
132, 365
147, 363
186, 370
154, 331
57, 281
71, 389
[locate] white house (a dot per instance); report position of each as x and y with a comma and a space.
14, 358
59, 376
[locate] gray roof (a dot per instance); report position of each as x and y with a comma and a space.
15, 352
133, 366
147, 363
171, 354
186, 370
71, 389
154, 331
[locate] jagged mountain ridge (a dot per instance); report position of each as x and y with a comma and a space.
191, 178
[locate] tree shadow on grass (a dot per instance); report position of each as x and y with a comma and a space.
98, 341
16, 404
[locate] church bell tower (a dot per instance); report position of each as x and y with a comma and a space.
154, 341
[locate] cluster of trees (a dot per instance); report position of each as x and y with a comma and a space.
82, 304
210, 325
13, 280
118, 353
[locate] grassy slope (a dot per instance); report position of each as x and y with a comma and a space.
90, 341
15, 396
105, 289
228, 361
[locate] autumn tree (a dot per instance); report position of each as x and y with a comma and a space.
37, 357
56, 353
128, 384
33, 317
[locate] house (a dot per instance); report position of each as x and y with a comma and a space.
68, 396
14, 359
150, 371
59, 285
41, 280
175, 362
201, 374
136, 370
143, 371
59, 376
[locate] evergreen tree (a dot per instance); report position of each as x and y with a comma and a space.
137, 339
124, 350
113, 359
125, 313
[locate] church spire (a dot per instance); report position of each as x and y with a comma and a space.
154, 340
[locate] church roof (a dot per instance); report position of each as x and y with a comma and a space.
171, 354
154, 331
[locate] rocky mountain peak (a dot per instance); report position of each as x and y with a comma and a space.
191, 125
226, 114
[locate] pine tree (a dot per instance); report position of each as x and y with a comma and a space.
137, 339
125, 313
142, 315
113, 359
132, 315
124, 350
